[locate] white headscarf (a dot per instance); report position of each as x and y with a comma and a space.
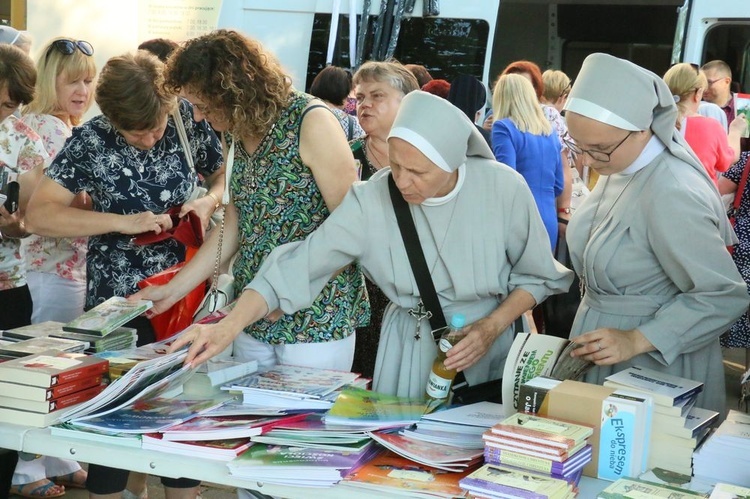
624, 95
440, 131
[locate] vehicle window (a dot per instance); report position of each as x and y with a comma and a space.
446, 47
731, 44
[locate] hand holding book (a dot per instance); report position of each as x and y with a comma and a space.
608, 346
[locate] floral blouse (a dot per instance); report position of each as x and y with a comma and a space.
278, 202
125, 180
21, 150
64, 256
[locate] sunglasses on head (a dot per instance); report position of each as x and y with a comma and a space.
68, 47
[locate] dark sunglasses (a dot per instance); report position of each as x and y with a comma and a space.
68, 47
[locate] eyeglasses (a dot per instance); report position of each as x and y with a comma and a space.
68, 47
711, 82
600, 156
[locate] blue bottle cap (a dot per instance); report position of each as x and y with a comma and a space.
458, 321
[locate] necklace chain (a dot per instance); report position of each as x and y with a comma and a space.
371, 153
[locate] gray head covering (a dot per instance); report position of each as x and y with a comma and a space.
624, 95
8, 35
440, 130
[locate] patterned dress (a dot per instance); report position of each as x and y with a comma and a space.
21, 150
125, 180
278, 202
63, 256
739, 334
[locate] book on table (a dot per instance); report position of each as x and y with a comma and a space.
533, 355
695, 422
205, 427
666, 389
542, 465
52, 368
393, 474
435, 455
45, 394
545, 431
221, 450
40, 330
624, 435
503, 481
355, 406
494, 441
33, 346
627, 488
107, 316
47, 406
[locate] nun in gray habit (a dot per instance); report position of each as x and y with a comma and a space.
649, 243
483, 241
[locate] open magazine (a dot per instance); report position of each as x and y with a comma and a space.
533, 355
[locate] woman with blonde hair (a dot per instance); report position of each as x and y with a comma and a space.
522, 138
715, 149
556, 88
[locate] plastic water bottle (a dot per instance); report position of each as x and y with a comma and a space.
441, 378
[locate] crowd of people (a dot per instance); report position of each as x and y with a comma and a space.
306, 193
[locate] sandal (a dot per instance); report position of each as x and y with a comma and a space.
75, 480
47, 489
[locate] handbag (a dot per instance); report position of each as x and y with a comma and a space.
186, 229
462, 392
221, 292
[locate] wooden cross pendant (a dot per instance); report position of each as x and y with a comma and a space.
419, 313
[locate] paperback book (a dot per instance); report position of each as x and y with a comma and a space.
46, 394
355, 406
502, 481
557, 454
627, 488
545, 431
543, 465
666, 389
34, 346
108, 316
47, 406
205, 427
393, 474
294, 381
533, 355
52, 368
438, 456
221, 450
696, 421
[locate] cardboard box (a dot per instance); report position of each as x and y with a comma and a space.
580, 403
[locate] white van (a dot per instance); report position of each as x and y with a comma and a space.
715, 29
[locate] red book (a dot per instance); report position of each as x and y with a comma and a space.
47, 406
41, 394
52, 368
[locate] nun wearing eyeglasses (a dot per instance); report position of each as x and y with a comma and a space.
483, 240
650, 242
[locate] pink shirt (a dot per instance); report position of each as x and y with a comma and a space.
708, 140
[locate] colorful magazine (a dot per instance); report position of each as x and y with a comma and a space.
391, 473
355, 406
222, 427
295, 381
438, 456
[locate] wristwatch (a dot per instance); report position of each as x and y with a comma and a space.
566, 211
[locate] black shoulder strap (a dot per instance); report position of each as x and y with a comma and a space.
310, 108
350, 133
416, 256
358, 151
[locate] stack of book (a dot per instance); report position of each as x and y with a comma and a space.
460, 426
32, 346
725, 455
37, 387
119, 339
293, 387
311, 432
557, 449
625, 488
497, 481
677, 426
392, 474
438, 456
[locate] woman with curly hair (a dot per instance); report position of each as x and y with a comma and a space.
291, 167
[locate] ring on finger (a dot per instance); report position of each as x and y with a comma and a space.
599, 346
